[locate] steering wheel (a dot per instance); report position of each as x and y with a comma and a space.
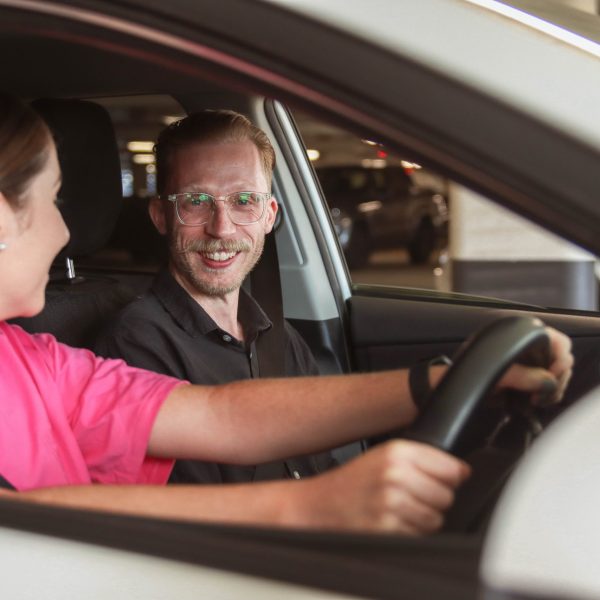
460, 417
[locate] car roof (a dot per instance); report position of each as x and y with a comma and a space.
505, 51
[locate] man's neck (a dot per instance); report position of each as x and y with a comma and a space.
223, 310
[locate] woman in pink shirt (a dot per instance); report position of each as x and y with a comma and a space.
69, 419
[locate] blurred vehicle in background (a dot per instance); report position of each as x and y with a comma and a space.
375, 208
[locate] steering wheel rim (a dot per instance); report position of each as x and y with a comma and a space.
458, 419
450, 419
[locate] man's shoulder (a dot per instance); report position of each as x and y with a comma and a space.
299, 357
290, 331
145, 307
292, 334
144, 317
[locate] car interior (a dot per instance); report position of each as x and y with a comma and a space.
77, 305
348, 327
77, 77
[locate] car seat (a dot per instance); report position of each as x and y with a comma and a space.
90, 201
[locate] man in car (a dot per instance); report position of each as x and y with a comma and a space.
196, 323
215, 208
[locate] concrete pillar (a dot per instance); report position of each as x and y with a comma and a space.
496, 253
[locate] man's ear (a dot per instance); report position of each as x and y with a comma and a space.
271, 210
158, 213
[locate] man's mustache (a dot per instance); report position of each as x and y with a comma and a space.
212, 246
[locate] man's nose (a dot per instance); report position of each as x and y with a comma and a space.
219, 223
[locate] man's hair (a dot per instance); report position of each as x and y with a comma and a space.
209, 126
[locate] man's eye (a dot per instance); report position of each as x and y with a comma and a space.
244, 198
198, 199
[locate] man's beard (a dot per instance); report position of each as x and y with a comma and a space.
180, 259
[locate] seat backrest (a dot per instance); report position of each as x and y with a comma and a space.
90, 201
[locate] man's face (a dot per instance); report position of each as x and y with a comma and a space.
213, 259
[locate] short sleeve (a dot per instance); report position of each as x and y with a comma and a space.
111, 408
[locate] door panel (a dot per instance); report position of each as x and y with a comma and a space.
388, 332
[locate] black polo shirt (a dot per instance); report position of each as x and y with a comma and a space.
167, 331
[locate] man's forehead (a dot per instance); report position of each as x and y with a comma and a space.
230, 160
218, 147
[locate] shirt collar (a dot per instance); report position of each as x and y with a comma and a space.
193, 319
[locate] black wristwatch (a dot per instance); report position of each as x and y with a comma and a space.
418, 379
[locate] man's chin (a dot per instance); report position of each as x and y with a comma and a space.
214, 283
213, 289
216, 291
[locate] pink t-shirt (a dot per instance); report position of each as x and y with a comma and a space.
70, 417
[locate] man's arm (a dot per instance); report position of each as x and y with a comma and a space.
251, 422
257, 421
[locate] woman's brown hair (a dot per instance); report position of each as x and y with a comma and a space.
24, 144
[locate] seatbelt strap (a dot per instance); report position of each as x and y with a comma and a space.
265, 283
7, 485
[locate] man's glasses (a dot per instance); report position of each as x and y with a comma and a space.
195, 208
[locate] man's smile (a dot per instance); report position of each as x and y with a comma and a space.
219, 260
219, 256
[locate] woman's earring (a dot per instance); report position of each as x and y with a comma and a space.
3, 246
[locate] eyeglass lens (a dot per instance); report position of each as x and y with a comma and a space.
242, 207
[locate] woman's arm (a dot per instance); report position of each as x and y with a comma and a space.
400, 486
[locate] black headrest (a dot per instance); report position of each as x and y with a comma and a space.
91, 194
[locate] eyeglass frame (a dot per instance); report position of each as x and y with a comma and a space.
265, 197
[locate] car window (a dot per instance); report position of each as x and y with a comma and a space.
399, 223
402, 224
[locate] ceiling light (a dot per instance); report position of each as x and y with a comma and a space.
140, 146
534, 22
313, 154
143, 159
369, 207
374, 163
